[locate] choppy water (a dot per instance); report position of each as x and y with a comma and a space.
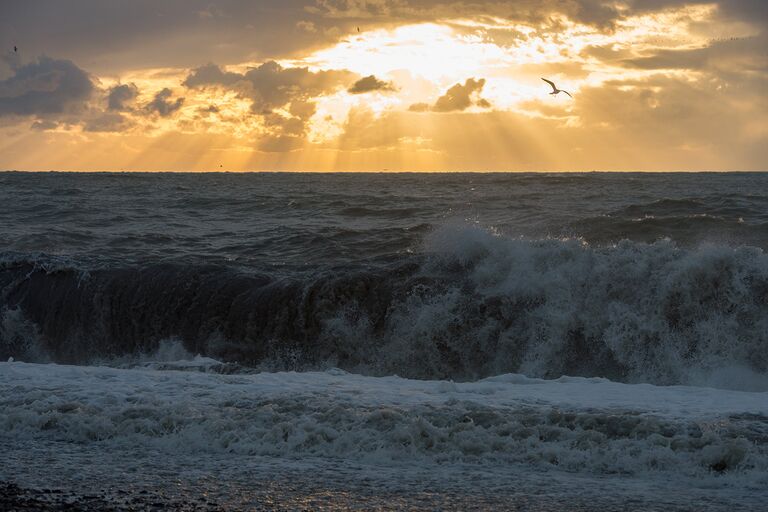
641, 279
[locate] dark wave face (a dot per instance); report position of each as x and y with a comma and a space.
634, 277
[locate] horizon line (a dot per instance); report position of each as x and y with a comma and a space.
387, 171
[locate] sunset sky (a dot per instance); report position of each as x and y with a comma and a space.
422, 86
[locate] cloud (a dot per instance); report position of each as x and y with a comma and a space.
178, 33
210, 109
307, 26
120, 95
107, 122
370, 84
420, 107
162, 33
270, 85
755, 11
209, 75
597, 12
457, 98
58, 94
280, 143
161, 104
358, 133
659, 75
44, 125
736, 55
664, 114
11, 58
45, 87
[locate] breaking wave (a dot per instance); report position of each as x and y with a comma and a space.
472, 304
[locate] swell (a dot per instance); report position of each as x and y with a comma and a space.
472, 305
685, 230
729, 218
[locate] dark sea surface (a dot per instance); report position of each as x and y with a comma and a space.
600, 275
472, 340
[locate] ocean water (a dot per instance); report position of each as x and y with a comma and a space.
386, 341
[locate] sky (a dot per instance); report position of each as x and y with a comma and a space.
383, 85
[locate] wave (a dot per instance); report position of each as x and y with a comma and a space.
718, 219
687, 230
472, 304
572, 424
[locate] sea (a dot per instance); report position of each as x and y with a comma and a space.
384, 341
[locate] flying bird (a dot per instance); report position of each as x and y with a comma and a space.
555, 90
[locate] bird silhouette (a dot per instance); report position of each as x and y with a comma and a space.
555, 90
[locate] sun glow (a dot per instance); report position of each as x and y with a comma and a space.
455, 92
430, 51
425, 59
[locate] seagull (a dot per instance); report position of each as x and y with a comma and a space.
555, 90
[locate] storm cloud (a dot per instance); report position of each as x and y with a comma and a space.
45, 87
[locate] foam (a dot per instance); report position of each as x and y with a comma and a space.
591, 426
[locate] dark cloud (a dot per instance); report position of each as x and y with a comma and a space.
286, 133
599, 13
183, 33
671, 59
163, 105
596, 12
211, 74
210, 109
370, 84
161, 33
461, 97
45, 87
283, 125
120, 96
270, 85
753, 11
107, 122
731, 55
457, 98
12, 59
44, 125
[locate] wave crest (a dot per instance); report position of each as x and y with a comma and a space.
473, 304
